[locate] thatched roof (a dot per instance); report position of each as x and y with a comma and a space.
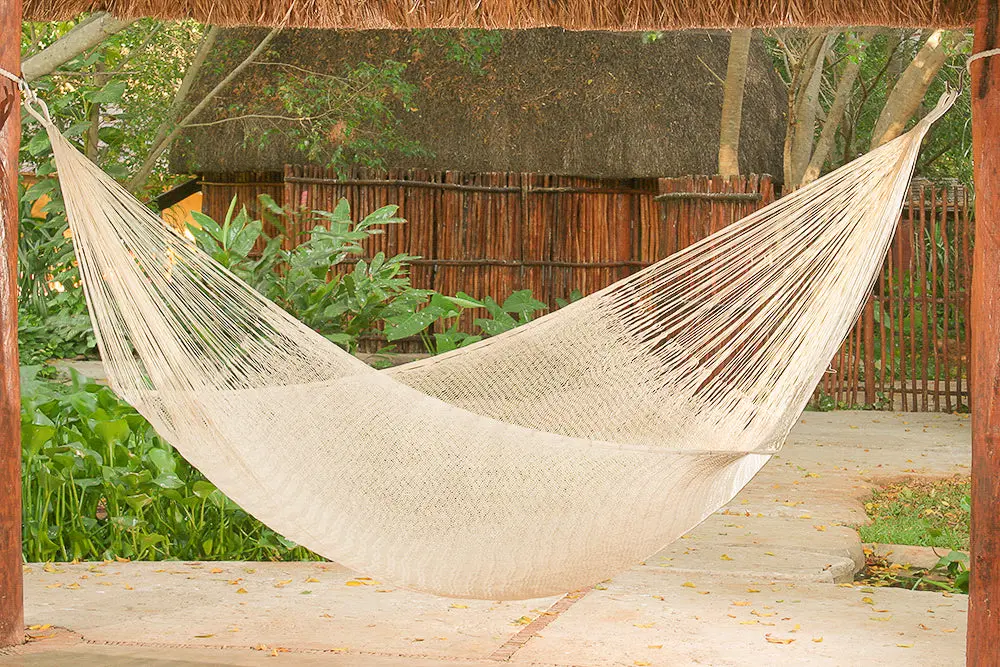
600, 104
572, 14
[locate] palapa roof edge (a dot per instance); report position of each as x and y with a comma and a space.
629, 15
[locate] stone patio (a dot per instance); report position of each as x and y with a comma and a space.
766, 580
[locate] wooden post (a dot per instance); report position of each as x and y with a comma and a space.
868, 330
983, 640
11, 599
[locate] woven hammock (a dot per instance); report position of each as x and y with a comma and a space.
538, 461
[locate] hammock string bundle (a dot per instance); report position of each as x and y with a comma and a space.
531, 463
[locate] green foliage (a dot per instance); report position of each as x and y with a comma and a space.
470, 48
52, 315
955, 567
339, 121
312, 281
99, 483
947, 149
111, 99
66, 333
926, 513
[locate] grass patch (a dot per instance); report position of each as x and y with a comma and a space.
931, 513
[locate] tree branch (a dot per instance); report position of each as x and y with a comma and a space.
845, 86
85, 35
180, 97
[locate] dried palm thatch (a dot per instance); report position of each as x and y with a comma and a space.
572, 14
599, 104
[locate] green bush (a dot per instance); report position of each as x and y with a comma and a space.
99, 483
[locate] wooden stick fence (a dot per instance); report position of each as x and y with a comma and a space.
490, 234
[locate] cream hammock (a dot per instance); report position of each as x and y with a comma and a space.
532, 463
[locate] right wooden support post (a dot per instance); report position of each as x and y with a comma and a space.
983, 638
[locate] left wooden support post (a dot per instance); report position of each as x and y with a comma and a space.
11, 584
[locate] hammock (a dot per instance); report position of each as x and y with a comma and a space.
531, 463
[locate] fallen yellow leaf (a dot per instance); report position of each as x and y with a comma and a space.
817, 639
312, 580
724, 557
867, 600
204, 636
353, 583
905, 645
880, 618
688, 584
40, 627
459, 606
741, 603
216, 570
655, 646
524, 620
643, 625
778, 640
241, 591
283, 583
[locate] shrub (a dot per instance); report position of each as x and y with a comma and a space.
99, 483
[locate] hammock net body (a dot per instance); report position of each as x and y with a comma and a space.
532, 463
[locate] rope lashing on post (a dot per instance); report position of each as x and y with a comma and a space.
33, 104
989, 53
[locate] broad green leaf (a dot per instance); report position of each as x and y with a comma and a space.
34, 437
39, 144
138, 501
109, 94
413, 324
168, 481
162, 460
113, 431
209, 225
203, 489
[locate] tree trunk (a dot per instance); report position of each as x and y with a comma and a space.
908, 93
92, 141
803, 107
85, 35
732, 103
845, 87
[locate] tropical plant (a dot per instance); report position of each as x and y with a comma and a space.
99, 483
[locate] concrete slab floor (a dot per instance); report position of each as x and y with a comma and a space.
754, 584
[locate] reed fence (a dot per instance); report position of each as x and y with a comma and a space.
489, 234
910, 347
